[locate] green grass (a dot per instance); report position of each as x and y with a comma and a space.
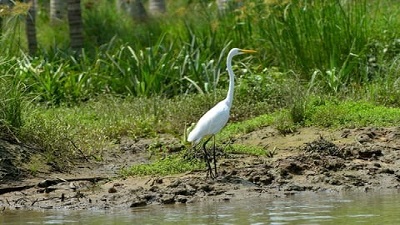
351, 114
167, 166
325, 38
246, 126
12, 104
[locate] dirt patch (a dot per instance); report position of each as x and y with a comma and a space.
364, 159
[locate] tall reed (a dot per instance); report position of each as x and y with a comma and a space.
327, 38
11, 104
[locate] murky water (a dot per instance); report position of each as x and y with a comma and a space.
305, 208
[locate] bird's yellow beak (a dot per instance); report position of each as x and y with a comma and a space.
247, 51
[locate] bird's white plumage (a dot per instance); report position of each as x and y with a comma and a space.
211, 122
217, 117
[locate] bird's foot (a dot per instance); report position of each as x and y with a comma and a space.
212, 174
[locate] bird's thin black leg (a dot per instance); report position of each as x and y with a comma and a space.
207, 158
215, 159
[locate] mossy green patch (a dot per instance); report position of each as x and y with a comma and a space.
350, 113
246, 126
172, 164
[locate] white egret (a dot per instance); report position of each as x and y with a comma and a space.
217, 117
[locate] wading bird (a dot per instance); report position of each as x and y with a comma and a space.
217, 117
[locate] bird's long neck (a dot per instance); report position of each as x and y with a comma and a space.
229, 96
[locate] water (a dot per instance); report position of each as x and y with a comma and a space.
305, 208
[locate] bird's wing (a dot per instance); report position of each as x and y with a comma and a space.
211, 122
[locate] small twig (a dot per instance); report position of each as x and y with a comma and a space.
12, 189
62, 179
45, 199
80, 151
76, 147
34, 202
151, 179
12, 134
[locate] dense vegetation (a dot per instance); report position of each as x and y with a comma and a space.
318, 63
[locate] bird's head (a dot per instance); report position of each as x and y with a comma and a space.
238, 51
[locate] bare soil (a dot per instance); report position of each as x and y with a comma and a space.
311, 159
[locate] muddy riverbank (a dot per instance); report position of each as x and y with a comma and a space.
311, 159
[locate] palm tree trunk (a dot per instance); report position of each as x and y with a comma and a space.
228, 5
31, 28
75, 24
36, 5
222, 4
157, 7
134, 8
4, 3
57, 10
